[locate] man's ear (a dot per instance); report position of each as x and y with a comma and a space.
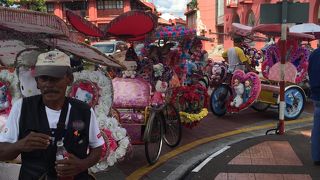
70, 79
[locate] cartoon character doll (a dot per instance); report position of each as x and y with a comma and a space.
239, 90
247, 90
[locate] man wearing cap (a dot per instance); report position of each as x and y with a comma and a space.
36, 123
236, 57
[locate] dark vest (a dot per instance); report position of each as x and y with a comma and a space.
33, 118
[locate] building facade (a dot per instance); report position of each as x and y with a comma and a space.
225, 12
99, 12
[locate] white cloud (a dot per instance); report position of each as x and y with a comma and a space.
168, 16
174, 7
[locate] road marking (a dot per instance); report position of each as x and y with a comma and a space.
139, 173
201, 165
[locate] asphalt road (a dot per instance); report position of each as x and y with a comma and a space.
135, 164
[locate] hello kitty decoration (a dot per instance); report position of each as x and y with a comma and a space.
246, 88
84, 96
28, 85
85, 91
158, 96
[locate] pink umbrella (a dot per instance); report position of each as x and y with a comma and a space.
241, 29
275, 30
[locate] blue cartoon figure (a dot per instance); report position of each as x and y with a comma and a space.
247, 90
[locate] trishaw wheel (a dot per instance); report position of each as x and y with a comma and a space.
295, 100
153, 137
218, 100
172, 125
260, 106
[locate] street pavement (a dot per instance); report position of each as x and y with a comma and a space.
235, 133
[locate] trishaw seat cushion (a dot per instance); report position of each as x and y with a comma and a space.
131, 93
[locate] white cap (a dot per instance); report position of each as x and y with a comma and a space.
53, 63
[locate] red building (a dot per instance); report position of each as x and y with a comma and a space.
98, 12
218, 16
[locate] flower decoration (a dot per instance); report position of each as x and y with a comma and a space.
190, 120
272, 56
191, 102
99, 85
86, 91
299, 59
117, 146
116, 139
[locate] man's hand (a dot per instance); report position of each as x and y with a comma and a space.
70, 166
33, 141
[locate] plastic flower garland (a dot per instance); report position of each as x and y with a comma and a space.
117, 141
190, 120
299, 59
190, 102
272, 56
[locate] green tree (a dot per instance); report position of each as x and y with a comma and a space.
35, 5
6, 3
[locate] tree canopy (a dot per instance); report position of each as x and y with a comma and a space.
36, 5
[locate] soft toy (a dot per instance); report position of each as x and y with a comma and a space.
4, 103
158, 96
216, 73
28, 85
239, 90
247, 90
158, 69
84, 96
131, 69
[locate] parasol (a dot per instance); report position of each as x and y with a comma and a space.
309, 28
241, 29
131, 24
275, 30
84, 51
83, 25
37, 23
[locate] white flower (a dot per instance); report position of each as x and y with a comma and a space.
120, 152
123, 143
111, 159
119, 133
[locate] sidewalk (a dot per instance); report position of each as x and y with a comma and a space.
266, 157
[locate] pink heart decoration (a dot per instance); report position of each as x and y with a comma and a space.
243, 97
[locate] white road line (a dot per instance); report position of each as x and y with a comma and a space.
201, 165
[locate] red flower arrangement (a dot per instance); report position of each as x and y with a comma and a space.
190, 99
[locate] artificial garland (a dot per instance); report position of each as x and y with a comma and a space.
190, 119
272, 56
116, 139
299, 59
190, 102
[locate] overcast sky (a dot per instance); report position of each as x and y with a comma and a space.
173, 7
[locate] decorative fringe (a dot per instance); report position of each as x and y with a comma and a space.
27, 17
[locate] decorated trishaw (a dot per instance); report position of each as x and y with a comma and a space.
23, 36
249, 89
